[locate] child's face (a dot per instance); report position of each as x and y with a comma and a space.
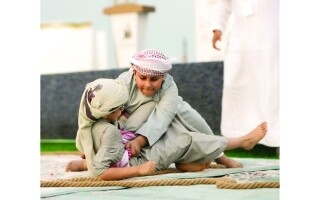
148, 85
115, 115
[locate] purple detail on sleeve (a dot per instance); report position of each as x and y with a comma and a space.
127, 135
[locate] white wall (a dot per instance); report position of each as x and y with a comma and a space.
71, 47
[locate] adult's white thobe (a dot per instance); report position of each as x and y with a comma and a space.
251, 66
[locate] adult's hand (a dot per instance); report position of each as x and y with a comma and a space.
216, 37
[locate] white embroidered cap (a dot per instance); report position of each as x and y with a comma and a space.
151, 62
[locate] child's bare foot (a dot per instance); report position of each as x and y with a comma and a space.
192, 167
76, 165
207, 165
252, 138
228, 162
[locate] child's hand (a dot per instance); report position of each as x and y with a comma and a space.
147, 168
134, 146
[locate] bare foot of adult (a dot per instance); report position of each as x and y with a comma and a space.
252, 138
228, 162
76, 166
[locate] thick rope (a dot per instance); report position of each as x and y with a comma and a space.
221, 183
253, 185
135, 183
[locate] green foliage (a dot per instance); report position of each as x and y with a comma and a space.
259, 151
54, 145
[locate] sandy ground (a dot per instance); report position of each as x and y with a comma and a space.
53, 167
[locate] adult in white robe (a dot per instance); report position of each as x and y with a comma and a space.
251, 65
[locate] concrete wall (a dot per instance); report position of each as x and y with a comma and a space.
200, 84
